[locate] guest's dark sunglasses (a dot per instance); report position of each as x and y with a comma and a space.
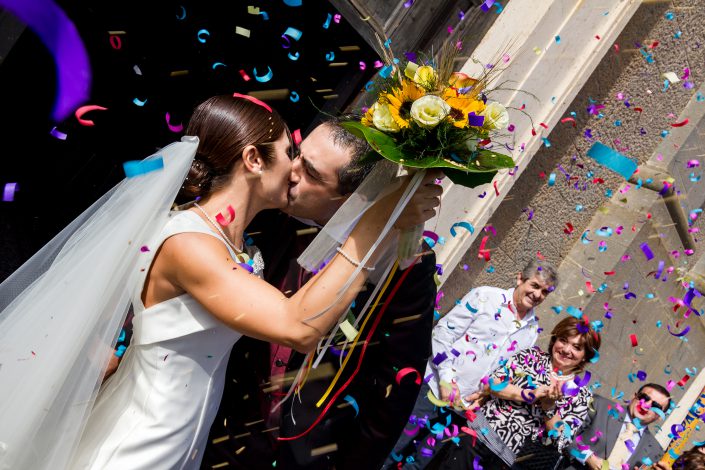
654, 404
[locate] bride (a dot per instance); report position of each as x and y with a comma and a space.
193, 292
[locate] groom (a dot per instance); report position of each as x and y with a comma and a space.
362, 425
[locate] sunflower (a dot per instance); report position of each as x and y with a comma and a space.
461, 106
400, 100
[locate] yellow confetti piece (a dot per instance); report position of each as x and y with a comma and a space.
253, 10
671, 77
242, 31
581, 293
432, 398
348, 330
537, 50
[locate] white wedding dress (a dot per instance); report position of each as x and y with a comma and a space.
156, 411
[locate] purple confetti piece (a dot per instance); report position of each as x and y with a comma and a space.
8, 194
659, 271
475, 120
682, 333
59, 35
484, 193
408, 3
641, 375
440, 357
630, 295
487, 5
647, 251
476, 463
58, 134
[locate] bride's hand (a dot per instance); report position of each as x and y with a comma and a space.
423, 203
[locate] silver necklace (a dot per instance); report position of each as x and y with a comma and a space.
222, 234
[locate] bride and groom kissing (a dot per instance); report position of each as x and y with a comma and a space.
196, 290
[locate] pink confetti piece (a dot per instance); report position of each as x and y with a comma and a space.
144, 249
172, 128
220, 218
85, 109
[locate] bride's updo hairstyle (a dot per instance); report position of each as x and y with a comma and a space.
225, 125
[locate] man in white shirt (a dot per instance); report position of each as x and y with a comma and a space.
487, 327
616, 437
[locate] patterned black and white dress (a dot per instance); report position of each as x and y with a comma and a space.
514, 422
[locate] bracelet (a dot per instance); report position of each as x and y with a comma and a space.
352, 261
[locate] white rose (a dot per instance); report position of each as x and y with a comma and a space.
496, 116
429, 110
382, 118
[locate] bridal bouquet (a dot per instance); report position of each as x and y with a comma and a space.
428, 116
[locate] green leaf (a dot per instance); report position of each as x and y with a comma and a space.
378, 140
469, 180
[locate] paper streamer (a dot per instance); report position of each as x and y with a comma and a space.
612, 159
682, 333
140, 167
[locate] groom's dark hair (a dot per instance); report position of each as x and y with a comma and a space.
351, 175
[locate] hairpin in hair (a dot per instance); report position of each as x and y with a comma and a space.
254, 100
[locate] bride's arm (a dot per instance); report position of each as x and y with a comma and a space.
199, 264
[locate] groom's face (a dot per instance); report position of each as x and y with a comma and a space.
314, 183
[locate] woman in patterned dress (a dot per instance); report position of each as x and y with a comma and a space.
536, 396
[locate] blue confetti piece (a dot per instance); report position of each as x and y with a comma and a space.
466, 225
558, 39
294, 56
264, 15
546, 142
140, 167
551, 179
139, 102
578, 208
123, 335
386, 71
327, 22
263, 78
574, 312
353, 403
612, 159
669, 15
202, 35
120, 350
293, 3
218, 64
330, 56
470, 307
557, 308
293, 33
387, 43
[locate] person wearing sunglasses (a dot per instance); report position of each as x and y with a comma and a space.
617, 437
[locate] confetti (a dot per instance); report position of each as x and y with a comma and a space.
85, 109
140, 167
466, 225
59, 35
220, 218
633, 339
172, 128
612, 159
263, 78
8, 194
203, 35
242, 31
